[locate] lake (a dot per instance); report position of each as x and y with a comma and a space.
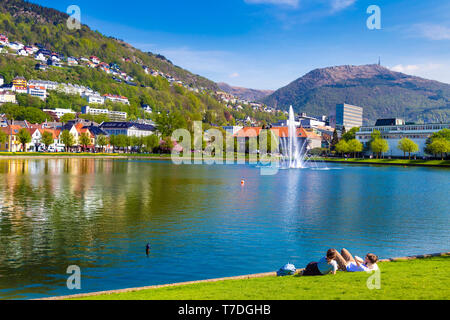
200, 222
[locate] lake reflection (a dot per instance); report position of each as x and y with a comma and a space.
201, 223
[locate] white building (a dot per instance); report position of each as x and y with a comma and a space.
15, 45
48, 85
7, 96
114, 98
60, 111
113, 115
418, 133
346, 115
37, 91
22, 52
93, 98
40, 57
232, 129
130, 129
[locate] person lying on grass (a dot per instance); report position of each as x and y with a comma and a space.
346, 262
325, 265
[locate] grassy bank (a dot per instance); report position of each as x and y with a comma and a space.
399, 162
411, 279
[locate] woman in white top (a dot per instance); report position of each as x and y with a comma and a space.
346, 262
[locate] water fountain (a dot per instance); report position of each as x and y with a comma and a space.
294, 155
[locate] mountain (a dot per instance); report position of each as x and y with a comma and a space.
244, 93
380, 91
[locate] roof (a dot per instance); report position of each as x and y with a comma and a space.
127, 125
282, 132
96, 131
55, 133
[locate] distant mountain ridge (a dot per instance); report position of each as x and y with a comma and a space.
245, 93
379, 90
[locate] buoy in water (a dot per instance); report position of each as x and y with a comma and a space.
242, 182
147, 248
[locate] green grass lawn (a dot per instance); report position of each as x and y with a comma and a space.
412, 279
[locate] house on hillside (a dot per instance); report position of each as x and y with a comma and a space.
71, 61
54, 63
40, 57
15, 45
7, 96
22, 52
37, 91
4, 39
40, 67
19, 85
95, 59
93, 98
115, 98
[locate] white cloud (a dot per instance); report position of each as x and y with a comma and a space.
405, 69
335, 5
234, 75
290, 3
338, 5
432, 31
434, 71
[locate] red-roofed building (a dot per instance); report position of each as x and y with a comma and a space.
313, 140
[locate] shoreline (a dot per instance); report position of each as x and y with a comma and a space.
391, 162
384, 162
242, 277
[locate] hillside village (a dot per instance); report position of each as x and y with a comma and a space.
46, 58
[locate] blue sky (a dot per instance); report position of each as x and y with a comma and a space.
266, 44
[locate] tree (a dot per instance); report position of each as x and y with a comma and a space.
24, 137
335, 140
440, 146
102, 141
442, 134
354, 146
47, 138
67, 139
379, 146
151, 142
407, 145
167, 123
375, 135
342, 147
351, 134
3, 137
68, 116
167, 145
85, 140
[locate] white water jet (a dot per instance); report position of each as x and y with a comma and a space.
294, 155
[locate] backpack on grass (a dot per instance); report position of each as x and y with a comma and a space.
286, 270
